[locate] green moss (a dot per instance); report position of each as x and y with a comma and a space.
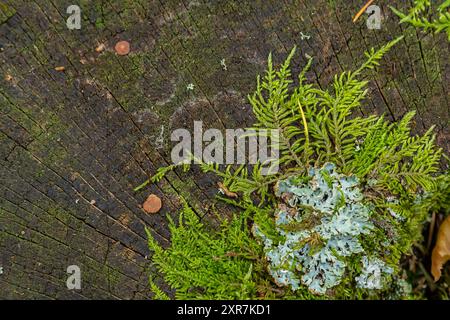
419, 16
6, 12
201, 265
45, 142
99, 23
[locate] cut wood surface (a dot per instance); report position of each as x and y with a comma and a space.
76, 140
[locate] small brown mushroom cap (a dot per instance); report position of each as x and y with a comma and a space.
152, 204
122, 48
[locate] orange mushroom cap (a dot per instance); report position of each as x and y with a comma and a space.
152, 204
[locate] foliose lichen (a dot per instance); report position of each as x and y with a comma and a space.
321, 220
372, 273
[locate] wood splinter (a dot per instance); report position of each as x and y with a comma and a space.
363, 9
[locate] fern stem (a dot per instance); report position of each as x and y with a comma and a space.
305, 125
142, 185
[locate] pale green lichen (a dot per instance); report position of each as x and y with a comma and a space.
321, 220
372, 274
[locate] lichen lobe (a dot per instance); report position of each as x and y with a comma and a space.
321, 219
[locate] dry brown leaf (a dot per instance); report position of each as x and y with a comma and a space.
152, 204
227, 192
100, 48
60, 68
441, 251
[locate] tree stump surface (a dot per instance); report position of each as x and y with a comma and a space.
74, 143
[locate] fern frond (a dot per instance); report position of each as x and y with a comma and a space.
272, 107
416, 18
316, 127
161, 172
201, 264
158, 294
373, 57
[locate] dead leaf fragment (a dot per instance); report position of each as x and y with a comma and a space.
152, 204
231, 254
60, 68
8, 77
227, 192
100, 48
441, 251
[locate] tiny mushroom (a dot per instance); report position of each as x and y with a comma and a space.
122, 48
152, 204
